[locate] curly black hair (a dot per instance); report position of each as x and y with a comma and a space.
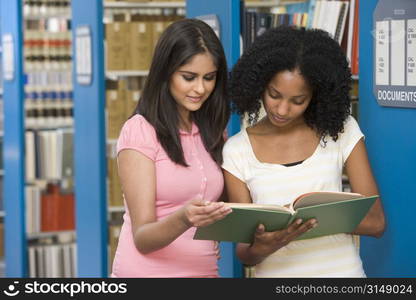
321, 62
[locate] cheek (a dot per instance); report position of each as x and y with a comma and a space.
268, 104
177, 86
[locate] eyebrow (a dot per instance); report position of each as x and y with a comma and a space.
195, 74
297, 96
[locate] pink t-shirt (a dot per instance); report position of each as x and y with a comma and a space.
175, 185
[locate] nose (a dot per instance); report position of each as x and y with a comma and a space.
199, 86
283, 108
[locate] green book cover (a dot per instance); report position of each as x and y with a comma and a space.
341, 215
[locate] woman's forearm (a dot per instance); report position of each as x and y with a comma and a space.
156, 235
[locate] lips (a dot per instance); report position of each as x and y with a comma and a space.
279, 119
194, 99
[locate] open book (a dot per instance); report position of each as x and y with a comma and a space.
336, 212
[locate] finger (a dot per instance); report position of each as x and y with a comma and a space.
209, 208
260, 230
294, 226
214, 216
217, 211
310, 224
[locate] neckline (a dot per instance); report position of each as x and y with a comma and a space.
305, 162
194, 130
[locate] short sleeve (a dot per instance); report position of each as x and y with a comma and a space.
138, 134
233, 157
350, 137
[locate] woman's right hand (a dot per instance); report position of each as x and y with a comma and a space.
266, 243
199, 212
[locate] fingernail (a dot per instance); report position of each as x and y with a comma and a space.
299, 221
207, 202
315, 224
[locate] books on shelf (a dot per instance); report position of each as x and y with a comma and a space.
54, 260
49, 210
49, 154
336, 212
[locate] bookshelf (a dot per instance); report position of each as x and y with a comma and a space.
49, 133
92, 211
11, 26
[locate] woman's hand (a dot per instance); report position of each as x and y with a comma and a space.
200, 213
266, 243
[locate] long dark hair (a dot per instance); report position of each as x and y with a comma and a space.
176, 47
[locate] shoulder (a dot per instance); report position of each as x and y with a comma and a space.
137, 133
137, 122
351, 129
351, 124
349, 137
236, 141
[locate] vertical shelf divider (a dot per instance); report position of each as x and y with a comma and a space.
90, 154
228, 13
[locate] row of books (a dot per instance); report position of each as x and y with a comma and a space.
49, 154
48, 109
52, 261
122, 97
139, 36
255, 24
47, 44
338, 18
46, 8
341, 20
49, 209
48, 74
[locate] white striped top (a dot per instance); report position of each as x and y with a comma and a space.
328, 256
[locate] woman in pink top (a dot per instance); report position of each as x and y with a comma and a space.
169, 158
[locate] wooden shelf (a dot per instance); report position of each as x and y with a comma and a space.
127, 73
115, 209
38, 235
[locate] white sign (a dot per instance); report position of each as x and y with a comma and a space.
394, 31
8, 56
83, 55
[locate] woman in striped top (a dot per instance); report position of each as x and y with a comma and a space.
302, 79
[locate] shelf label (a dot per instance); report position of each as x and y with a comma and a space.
394, 32
83, 55
8, 56
398, 48
411, 52
382, 53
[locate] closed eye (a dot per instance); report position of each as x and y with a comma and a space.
210, 77
275, 95
188, 78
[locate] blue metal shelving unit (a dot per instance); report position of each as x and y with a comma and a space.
228, 13
90, 145
391, 143
13, 142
